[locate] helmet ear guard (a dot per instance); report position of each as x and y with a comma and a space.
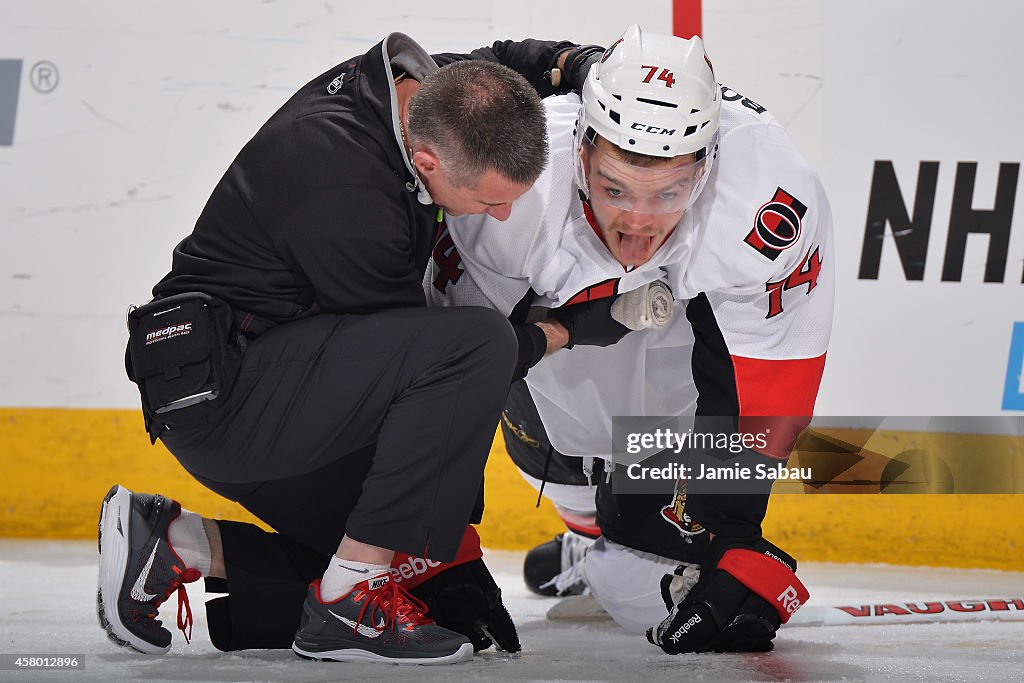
653, 95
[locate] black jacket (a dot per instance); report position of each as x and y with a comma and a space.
315, 214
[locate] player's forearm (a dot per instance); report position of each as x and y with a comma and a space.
739, 512
592, 323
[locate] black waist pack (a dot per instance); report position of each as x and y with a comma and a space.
180, 356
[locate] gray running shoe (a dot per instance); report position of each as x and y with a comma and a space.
139, 570
377, 621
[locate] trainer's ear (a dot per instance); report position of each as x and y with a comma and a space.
427, 163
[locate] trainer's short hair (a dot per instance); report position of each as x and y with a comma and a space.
480, 116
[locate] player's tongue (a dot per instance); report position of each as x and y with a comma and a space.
635, 247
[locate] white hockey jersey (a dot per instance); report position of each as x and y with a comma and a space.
757, 243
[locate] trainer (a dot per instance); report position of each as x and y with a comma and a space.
341, 411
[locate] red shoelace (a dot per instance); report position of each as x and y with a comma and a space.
396, 605
184, 609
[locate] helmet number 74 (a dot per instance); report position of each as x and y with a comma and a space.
665, 75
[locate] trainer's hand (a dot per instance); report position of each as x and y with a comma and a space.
466, 599
737, 605
573, 65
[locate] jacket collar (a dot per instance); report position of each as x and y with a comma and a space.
397, 52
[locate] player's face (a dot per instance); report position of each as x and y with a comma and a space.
633, 237
492, 195
636, 207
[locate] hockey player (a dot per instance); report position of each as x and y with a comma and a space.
659, 174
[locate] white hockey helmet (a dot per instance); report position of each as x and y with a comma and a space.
654, 95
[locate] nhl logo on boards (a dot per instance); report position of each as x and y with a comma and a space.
777, 225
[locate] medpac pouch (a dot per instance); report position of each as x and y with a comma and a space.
179, 356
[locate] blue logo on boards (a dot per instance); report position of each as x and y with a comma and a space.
10, 76
1013, 390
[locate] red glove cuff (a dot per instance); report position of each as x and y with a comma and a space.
412, 571
768, 578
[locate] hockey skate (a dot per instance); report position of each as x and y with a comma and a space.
555, 568
377, 621
139, 570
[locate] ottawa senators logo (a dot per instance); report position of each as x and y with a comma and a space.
675, 514
777, 225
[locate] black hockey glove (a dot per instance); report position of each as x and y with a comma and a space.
590, 323
466, 599
578, 61
737, 605
603, 322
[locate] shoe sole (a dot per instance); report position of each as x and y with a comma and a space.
463, 654
113, 547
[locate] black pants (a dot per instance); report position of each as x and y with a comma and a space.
635, 520
376, 426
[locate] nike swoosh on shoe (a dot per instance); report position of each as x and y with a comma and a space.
363, 630
139, 589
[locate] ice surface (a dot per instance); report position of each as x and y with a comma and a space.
47, 606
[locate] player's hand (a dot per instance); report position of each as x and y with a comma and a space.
603, 322
645, 307
465, 598
590, 323
747, 590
